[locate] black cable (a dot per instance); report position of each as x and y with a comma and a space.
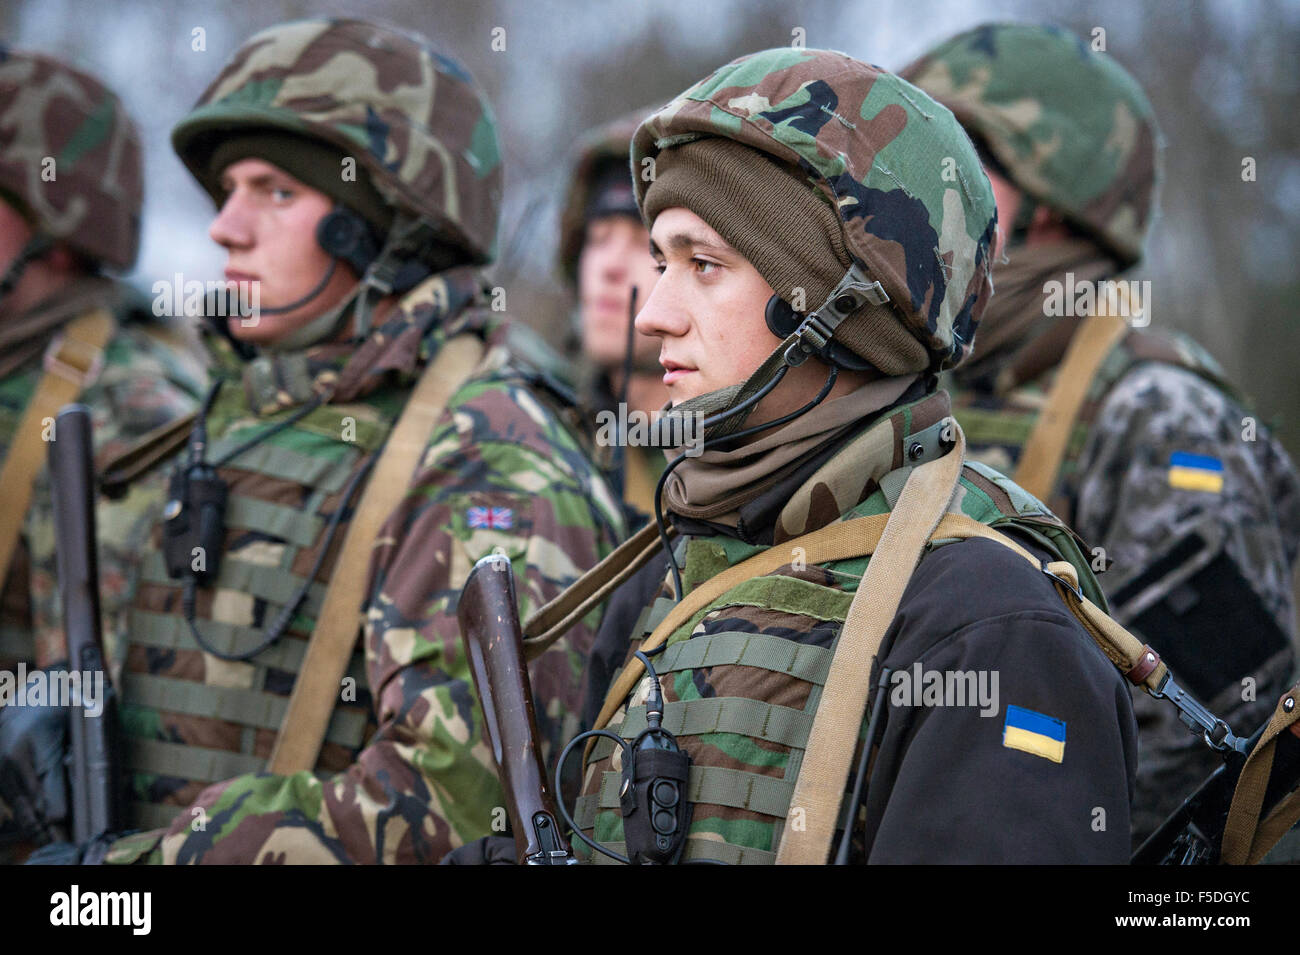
660, 524
299, 303
287, 612
559, 793
659, 488
315, 402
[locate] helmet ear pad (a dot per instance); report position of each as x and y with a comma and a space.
783, 321
343, 234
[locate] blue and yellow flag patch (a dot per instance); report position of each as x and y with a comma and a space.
1195, 472
1034, 733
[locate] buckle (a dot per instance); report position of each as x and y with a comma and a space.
56, 363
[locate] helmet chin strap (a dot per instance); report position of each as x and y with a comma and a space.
325, 326
35, 247
396, 268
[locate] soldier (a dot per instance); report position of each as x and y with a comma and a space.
604, 254
70, 201
816, 271
1144, 448
357, 177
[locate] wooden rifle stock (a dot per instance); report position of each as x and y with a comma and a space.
490, 628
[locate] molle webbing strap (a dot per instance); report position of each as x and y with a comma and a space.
1040, 459
72, 361
823, 775
317, 686
1246, 837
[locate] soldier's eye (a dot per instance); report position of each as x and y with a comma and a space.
281, 194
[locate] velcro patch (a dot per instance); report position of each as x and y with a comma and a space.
492, 518
1034, 733
1195, 472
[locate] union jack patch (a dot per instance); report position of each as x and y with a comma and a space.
493, 518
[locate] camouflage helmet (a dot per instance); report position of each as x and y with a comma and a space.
604, 144
70, 157
1070, 126
916, 210
414, 118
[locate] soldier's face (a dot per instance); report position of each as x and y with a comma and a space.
615, 256
42, 276
267, 225
707, 310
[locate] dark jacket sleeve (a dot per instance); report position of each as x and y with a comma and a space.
947, 786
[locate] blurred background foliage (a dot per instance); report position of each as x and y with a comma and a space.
1222, 75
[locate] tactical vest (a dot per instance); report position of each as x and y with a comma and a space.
748, 731
191, 720
998, 426
122, 411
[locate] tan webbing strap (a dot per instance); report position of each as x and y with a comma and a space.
835, 542
316, 689
819, 788
1245, 839
551, 621
72, 361
858, 538
1040, 458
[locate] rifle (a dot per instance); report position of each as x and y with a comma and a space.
95, 775
1193, 833
489, 626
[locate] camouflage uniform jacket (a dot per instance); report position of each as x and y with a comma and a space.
149, 377
1192, 509
499, 474
742, 680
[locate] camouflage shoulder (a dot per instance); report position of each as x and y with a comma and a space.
527, 428
137, 848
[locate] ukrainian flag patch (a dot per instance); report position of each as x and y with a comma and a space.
1034, 733
1195, 472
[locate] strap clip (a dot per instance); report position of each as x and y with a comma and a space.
1218, 735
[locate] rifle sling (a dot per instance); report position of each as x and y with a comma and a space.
316, 689
118, 471
1247, 838
551, 621
72, 361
